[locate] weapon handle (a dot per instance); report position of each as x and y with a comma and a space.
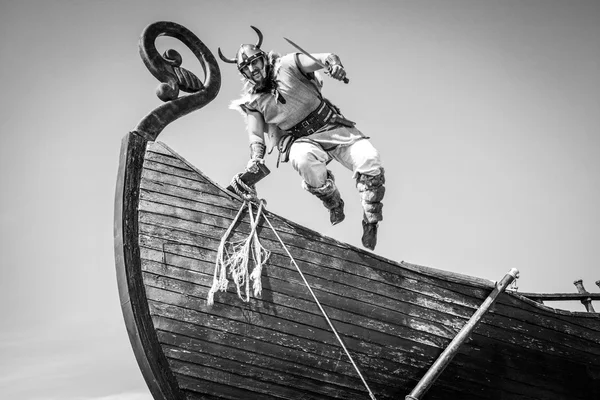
345, 80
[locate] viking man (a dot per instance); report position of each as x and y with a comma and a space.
283, 106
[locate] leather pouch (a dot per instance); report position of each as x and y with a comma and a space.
284, 146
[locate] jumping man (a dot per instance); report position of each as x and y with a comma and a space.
283, 105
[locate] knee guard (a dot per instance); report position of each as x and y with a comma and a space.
331, 198
372, 191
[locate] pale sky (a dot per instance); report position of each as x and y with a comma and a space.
485, 114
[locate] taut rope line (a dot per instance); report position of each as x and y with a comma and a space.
322, 310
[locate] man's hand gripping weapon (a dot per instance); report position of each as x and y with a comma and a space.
327, 67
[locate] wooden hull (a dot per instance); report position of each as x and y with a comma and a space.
395, 318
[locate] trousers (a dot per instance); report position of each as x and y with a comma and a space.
310, 160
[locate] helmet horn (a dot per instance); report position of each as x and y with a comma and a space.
227, 60
260, 36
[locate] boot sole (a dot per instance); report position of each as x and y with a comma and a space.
334, 223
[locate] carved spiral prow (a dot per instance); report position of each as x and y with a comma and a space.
167, 69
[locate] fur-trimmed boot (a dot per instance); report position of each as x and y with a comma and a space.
372, 190
330, 195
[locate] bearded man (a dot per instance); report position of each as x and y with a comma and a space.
283, 106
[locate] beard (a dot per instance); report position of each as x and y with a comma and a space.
259, 78
265, 82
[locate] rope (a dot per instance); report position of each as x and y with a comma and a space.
245, 191
235, 256
322, 311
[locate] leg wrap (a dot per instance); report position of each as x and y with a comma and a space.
372, 190
331, 198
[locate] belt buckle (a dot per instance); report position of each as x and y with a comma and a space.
305, 123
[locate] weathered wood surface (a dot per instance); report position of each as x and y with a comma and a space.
587, 300
561, 296
395, 318
134, 303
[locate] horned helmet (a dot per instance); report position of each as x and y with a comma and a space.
246, 54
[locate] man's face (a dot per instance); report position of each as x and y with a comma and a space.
255, 70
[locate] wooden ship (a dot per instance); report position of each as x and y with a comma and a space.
336, 323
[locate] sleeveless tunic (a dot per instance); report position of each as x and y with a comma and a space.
301, 95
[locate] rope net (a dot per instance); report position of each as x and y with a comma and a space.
233, 257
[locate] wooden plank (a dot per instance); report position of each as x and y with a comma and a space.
228, 207
265, 341
316, 362
374, 364
351, 295
167, 159
192, 244
506, 323
191, 395
166, 150
516, 351
327, 361
279, 291
346, 307
175, 180
310, 327
282, 289
265, 363
198, 278
197, 388
184, 174
456, 380
588, 321
384, 382
354, 325
343, 264
189, 220
256, 388
217, 210
482, 353
561, 296
147, 350
258, 369
479, 354
161, 148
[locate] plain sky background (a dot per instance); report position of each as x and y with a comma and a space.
486, 114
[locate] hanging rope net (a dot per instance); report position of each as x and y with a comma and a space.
233, 257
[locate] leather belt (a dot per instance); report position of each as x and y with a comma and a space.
317, 119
